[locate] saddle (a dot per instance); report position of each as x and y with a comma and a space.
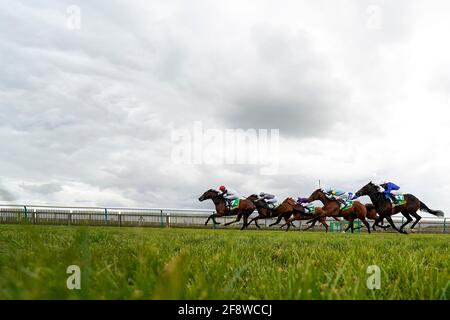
346, 205
399, 200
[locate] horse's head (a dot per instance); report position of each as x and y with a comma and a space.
367, 190
316, 195
209, 194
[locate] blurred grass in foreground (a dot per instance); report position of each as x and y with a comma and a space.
147, 263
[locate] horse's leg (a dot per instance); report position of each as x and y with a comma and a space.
244, 225
276, 222
213, 217
311, 226
290, 222
389, 219
324, 223
238, 218
377, 223
408, 220
350, 224
415, 215
256, 221
314, 220
365, 223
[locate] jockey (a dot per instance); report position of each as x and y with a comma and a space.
270, 199
309, 208
229, 194
339, 195
387, 188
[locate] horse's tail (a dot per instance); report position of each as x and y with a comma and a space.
423, 207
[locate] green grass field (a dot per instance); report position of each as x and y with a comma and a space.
148, 263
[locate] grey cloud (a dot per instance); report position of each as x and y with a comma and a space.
45, 188
290, 88
6, 195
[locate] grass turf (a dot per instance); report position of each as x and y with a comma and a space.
150, 263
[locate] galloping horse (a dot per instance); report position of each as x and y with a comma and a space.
286, 209
332, 208
264, 211
385, 209
245, 208
300, 214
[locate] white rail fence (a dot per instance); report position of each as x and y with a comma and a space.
164, 217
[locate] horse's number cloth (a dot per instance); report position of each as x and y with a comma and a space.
310, 209
234, 204
347, 205
273, 206
399, 200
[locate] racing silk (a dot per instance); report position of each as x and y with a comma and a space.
339, 195
389, 187
230, 194
269, 198
334, 192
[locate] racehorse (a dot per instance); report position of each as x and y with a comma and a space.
373, 215
332, 208
300, 214
245, 208
264, 211
386, 210
288, 207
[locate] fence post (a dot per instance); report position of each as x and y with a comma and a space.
445, 219
120, 219
168, 219
162, 221
106, 216
69, 218
26, 213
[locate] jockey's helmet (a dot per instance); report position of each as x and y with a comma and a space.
222, 188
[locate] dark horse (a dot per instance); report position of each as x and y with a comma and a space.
245, 208
385, 209
332, 208
264, 211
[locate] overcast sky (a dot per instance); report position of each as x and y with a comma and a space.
359, 90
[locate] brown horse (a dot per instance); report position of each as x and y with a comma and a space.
386, 210
373, 215
264, 211
300, 214
285, 210
245, 208
332, 208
